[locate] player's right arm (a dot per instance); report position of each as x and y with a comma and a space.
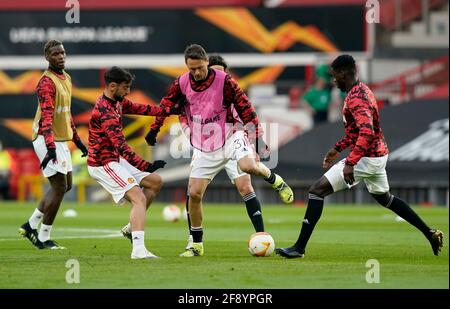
233, 94
46, 92
332, 154
173, 96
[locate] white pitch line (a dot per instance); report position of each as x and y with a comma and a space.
92, 236
107, 233
87, 230
116, 235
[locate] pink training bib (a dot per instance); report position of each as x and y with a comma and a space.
206, 113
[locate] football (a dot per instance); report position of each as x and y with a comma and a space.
261, 244
171, 213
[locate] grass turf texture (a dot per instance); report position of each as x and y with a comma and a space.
344, 240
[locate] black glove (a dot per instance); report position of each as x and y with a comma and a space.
83, 148
51, 155
262, 149
150, 138
155, 165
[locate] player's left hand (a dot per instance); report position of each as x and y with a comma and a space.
156, 165
348, 174
83, 148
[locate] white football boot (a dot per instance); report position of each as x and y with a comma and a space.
143, 254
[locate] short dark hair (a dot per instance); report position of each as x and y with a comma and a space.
216, 59
195, 51
118, 75
344, 63
50, 44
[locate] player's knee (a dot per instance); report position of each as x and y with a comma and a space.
139, 199
383, 199
195, 195
152, 182
248, 167
245, 189
316, 190
157, 183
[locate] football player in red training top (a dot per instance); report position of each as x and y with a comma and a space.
366, 161
113, 164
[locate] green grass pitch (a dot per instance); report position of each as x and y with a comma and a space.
344, 240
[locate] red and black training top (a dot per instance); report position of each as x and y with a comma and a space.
363, 133
106, 140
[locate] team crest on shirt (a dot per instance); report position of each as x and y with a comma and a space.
131, 180
63, 163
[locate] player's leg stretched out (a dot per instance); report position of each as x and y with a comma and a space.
323, 188
243, 183
402, 209
249, 165
252, 204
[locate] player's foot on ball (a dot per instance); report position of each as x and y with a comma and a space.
126, 232
189, 243
50, 244
289, 253
143, 254
285, 192
436, 240
195, 250
32, 234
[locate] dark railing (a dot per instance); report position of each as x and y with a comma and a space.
404, 87
395, 13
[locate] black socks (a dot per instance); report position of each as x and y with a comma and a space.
312, 215
403, 210
271, 178
197, 234
254, 211
187, 212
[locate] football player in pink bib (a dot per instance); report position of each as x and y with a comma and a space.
208, 97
